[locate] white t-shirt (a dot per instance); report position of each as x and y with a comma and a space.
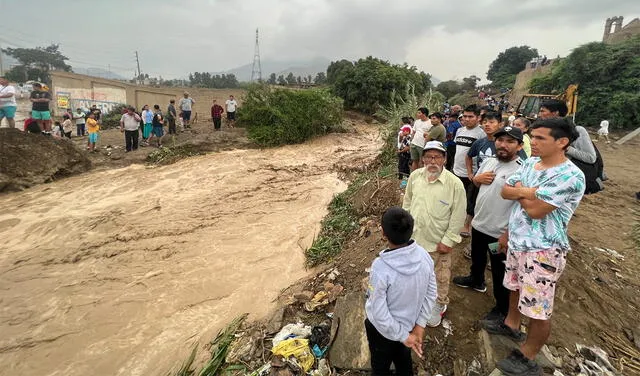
492, 211
231, 105
79, 118
420, 128
130, 122
67, 126
186, 103
11, 101
511, 119
465, 137
604, 127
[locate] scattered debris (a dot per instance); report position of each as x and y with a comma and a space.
448, 328
475, 368
322, 298
298, 330
304, 296
323, 368
593, 361
298, 349
610, 252
333, 274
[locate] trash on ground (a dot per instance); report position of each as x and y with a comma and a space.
299, 330
297, 348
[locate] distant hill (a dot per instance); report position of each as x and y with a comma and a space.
298, 68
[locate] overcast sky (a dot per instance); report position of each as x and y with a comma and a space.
450, 39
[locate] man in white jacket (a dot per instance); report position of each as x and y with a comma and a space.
400, 296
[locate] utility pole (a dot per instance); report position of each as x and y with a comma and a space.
256, 71
139, 72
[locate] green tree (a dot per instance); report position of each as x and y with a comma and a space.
207, 80
449, 88
272, 79
608, 78
281, 80
281, 116
299, 80
37, 62
368, 83
503, 70
291, 79
338, 70
470, 83
321, 78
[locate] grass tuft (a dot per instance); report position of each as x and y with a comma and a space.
172, 154
338, 224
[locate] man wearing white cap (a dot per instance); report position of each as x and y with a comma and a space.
437, 201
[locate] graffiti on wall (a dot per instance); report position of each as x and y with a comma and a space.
105, 98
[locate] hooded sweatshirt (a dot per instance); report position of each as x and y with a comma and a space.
401, 292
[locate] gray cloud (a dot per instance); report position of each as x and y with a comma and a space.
174, 38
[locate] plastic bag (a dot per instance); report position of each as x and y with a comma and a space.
291, 330
299, 349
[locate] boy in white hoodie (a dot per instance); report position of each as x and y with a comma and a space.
400, 296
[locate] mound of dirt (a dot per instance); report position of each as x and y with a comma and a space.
376, 196
27, 159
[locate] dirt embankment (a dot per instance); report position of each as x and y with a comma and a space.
29, 159
597, 297
119, 271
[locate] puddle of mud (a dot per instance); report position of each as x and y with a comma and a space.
118, 272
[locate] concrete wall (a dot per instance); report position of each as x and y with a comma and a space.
72, 90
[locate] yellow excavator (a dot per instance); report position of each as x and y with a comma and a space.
530, 103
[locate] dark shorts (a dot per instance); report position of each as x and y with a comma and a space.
472, 193
231, 115
158, 131
472, 196
186, 115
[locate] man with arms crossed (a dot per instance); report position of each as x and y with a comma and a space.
489, 225
547, 190
40, 107
421, 126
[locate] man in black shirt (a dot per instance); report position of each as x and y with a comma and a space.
40, 107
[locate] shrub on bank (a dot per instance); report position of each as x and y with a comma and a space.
112, 119
283, 116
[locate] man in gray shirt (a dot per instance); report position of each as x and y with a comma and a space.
582, 152
489, 225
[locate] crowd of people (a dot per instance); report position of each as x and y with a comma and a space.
509, 185
142, 128
149, 124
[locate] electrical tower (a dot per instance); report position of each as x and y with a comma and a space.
139, 73
256, 71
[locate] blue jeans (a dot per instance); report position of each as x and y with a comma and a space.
80, 129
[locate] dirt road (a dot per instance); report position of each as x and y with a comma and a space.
118, 272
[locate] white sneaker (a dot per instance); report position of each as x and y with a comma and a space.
435, 318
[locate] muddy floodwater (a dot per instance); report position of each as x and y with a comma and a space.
119, 272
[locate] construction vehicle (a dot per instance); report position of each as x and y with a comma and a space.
530, 103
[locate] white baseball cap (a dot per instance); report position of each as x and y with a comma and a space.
437, 145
